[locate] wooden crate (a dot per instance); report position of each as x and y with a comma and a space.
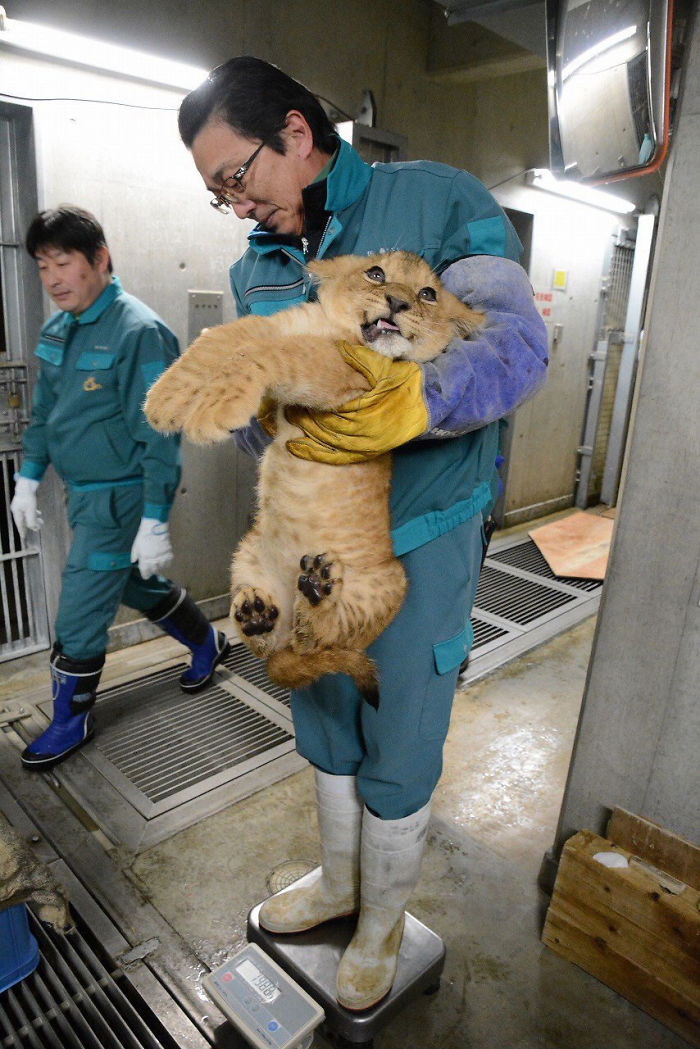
636, 927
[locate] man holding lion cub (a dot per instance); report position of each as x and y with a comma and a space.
267, 151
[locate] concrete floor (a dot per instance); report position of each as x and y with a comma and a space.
494, 816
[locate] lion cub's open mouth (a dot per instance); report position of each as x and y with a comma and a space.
385, 329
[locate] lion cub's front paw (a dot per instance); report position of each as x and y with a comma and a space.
167, 403
216, 411
254, 611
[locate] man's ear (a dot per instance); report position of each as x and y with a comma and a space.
101, 263
297, 134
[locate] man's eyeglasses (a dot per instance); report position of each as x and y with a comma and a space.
224, 199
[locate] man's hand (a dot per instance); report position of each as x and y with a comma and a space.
391, 413
151, 549
24, 509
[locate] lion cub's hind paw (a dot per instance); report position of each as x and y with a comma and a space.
254, 611
320, 577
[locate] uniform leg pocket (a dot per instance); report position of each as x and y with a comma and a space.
460, 554
437, 705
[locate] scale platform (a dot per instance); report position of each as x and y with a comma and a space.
311, 958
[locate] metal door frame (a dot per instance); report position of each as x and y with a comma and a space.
23, 605
634, 320
629, 338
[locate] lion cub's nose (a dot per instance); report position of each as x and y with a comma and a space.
396, 305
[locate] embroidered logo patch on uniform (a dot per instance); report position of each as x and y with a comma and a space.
91, 384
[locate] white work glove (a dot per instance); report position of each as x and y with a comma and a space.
151, 548
23, 507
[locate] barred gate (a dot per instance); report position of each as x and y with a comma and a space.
23, 615
23, 622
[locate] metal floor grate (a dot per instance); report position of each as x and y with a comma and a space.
161, 760
515, 598
73, 1000
484, 633
520, 603
241, 661
164, 745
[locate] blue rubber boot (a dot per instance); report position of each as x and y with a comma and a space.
73, 686
180, 617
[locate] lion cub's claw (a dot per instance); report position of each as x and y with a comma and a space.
255, 613
316, 581
164, 411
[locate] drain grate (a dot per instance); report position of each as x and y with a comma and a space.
484, 633
73, 1000
166, 746
242, 662
162, 760
517, 599
520, 603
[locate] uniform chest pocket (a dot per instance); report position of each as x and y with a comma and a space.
94, 360
95, 370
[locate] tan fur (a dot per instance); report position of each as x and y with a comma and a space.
308, 508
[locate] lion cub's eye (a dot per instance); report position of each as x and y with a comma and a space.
428, 295
376, 274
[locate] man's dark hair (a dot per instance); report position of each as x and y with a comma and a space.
68, 228
254, 97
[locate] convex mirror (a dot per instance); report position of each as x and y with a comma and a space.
608, 77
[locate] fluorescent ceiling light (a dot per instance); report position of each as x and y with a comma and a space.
541, 178
96, 54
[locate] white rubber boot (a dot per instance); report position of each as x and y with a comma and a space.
334, 890
390, 858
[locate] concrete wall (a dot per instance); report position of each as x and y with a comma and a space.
639, 733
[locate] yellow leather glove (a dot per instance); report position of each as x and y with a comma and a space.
267, 416
391, 413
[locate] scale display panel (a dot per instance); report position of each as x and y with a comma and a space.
262, 1001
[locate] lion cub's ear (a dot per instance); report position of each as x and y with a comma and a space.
324, 269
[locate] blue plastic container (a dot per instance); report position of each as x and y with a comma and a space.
19, 951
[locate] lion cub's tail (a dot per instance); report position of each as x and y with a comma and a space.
299, 670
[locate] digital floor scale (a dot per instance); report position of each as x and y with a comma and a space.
279, 989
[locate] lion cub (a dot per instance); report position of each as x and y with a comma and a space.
330, 522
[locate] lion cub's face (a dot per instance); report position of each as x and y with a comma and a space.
393, 302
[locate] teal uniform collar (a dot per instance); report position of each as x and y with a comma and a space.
101, 303
346, 182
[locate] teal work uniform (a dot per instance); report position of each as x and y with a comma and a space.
87, 421
441, 488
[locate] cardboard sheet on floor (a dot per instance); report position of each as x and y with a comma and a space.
576, 546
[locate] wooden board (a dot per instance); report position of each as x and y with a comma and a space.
577, 545
628, 979
633, 927
658, 846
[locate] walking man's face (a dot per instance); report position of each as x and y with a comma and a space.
70, 280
